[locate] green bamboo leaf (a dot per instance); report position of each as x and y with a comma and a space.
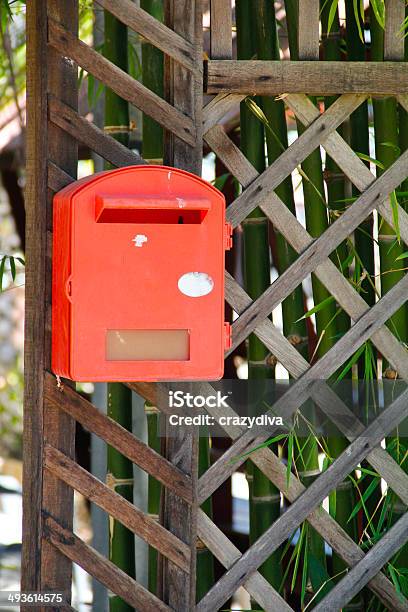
394, 578
299, 546
332, 14
290, 459
369, 491
21, 260
219, 181
305, 574
263, 445
2, 265
395, 216
12, 267
350, 363
317, 308
357, 18
379, 11
371, 160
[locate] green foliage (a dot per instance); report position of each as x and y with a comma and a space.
11, 268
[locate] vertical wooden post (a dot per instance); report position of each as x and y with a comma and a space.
221, 29
308, 29
184, 90
43, 567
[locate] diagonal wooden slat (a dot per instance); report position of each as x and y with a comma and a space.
171, 43
121, 83
273, 468
227, 553
319, 249
115, 435
325, 398
325, 367
57, 177
89, 134
348, 298
312, 138
103, 570
358, 577
117, 506
273, 78
347, 160
219, 106
299, 510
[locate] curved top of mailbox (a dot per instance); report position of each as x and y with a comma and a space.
167, 175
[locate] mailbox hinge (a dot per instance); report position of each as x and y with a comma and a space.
228, 236
228, 336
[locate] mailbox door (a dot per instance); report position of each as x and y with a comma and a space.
147, 278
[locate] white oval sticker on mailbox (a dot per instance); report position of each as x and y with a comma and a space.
195, 284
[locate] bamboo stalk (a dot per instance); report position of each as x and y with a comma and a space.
120, 469
363, 236
343, 499
316, 215
264, 497
205, 559
152, 74
154, 489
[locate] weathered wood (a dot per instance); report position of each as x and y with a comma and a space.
319, 519
121, 83
303, 388
348, 298
265, 184
42, 566
227, 553
308, 29
358, 577
35, 197
103, 570
299, 510
184, 92
221, 29
117, 506
272, 78
171, 43
117, 436
57, 177
393, 34
219, 106
319, 250
89, 134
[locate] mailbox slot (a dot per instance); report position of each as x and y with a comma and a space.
119, 209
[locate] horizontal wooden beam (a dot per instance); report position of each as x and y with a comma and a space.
272, 78
117, 436
100, 568
154, 31
121, 83
117, 506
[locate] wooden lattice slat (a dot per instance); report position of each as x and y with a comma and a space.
273, 78
121, 83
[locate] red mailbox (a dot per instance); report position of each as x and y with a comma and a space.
138, 277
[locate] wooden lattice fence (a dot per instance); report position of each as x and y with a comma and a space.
50, 471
